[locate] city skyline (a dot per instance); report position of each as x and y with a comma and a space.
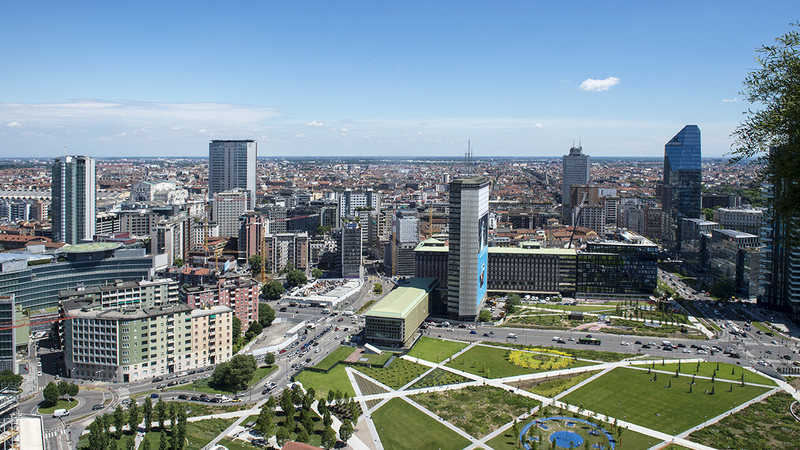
521, 80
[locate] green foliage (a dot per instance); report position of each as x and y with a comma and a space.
772, 133
118, 417
266, 315
322, 229
256, 264
328, 438
273, 290
147, 414
237, 327
134, 416
235, 374
269, 358
512, 303
254, 329
316, 273
296, 278
178, 262
346, 431
377, 289
282, 436
51, 393
485, 316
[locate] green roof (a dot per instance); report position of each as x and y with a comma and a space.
90, 248
399, 303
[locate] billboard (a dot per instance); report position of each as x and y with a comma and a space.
483, 257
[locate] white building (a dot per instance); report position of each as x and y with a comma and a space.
228, 207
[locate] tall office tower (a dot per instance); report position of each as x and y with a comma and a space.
780, 263
680, 193
73, 199
467, 256
351, 250
575, 172
405, 237
231, 165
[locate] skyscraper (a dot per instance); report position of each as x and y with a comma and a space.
680, 192
73, 194
405, 237
575, 173
467, 257
231, 165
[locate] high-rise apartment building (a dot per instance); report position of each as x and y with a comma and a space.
575, 173
227, 208
680, 192
232, 165
467, 257
405, 237
350, 201
73, 199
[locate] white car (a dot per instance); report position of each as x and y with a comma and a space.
702, 352
686, 350
624, 343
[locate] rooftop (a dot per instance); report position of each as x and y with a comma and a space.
90, 248
399, 303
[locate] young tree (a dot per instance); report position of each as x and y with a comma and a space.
328, 438
172, 413
161, 413
345, 431
147, 414
163, 443
377, 289
51, 393
73, 389
264, 421
145, 445
282, 436
118, 417
133, 416
271, 403
63, 388
316, 273
355, 411
771, 134
237, 327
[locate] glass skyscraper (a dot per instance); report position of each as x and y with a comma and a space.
680, 192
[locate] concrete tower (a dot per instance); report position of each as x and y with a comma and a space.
73, 199
232, 165
575, 173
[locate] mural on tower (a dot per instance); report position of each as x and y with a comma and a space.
483, 255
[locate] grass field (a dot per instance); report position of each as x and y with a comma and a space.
478, 410
585, 308
724, 372
397, 375
551, 388
654, 405
377, 360
435, 350
236, 444
202, 432
491, 362
341, 353
62, 404
766, 424
438, 377
394, 420
335, 379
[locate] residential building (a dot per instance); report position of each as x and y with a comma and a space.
575, 169
158, 191
350, 201
73, 193
232, 165
144, 293
228, 206
680, 192
468, 251
746, 220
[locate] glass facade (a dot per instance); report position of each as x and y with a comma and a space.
680, 193
617, 269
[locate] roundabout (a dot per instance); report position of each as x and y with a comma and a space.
566, 432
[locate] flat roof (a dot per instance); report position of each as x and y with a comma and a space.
90, 248
399, 303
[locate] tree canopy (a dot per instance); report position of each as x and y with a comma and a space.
235, 374
296, 277
256, 264
236, 331
770, 135
266, 315
316, 273
273, 290
10, 379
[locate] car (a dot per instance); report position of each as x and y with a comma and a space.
215, 400
624, 343
473, 332
266, 391
786, 357
173, 383
769, 352
183, 397
681, 345
638, 342
571, 339
561, 341
192, 372
97, 407
485, 334
646, 346
158, 379
126, 402
154, 395
588, 336
201, 370
173, 375
161, 386
686, 350
39, 373
702, 352
774, 342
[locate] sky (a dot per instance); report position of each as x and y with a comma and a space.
353, 78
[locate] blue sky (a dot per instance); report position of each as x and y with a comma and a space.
376, 78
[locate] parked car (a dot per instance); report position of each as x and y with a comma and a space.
183, 397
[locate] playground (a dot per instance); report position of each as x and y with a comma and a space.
566, 432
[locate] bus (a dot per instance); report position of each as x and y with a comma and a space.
589, 341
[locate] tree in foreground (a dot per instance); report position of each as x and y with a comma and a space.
236, 327
51, 393
485, 316
345, 431
256, 264
147, 414
296, 278
316, 273
266, 315
133, 416
328, 437
118, 416
770, 136
235, 374
9, 379
282, 436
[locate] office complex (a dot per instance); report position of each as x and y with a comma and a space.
394, 321
232, 165
575, 173
73, 199
228, 206
351, 250
405, 237
680, 191
467, 258
8, 337
617, 269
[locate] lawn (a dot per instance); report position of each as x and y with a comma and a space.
642, 400
478, 410
579, 307
766, 424
202, 432
336, 380
491, 362
630, 440
435, 350
580, 353
394, 420
397, 375
726, 372
62, 404
377, 360
552, 387
83, 442
341, 353
237, 444
438, 377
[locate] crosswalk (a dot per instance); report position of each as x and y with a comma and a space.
53, 432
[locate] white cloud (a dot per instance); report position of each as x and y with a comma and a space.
538, 125
202, 131
344, 129
121, 134
176, 128
418, 133
14, 124
315, 124
599, 85
299, 135
333, 129
725, 100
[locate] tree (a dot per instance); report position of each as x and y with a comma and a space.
771, 135
256, 264
147, 414
328, 437
323, 229
161, 413
512, 303
145, 445
133, 416
271, 403
10, 380
269, 358
266, 315
178, 262
296, 278
73, 389
163, 444
254, 329
355, 411
721, 290
273, 290
51, 393
282, 436
316, 273
377, 289
236, 332
118, 416
345, 431
63, 386
97, 437
235, 374
485, 316
264, 421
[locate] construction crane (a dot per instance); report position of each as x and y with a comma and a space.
11, 324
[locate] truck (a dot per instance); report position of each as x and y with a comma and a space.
348, 313
512, 335
61, 413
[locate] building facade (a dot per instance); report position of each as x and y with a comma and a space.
405, 238
351, 249
73, 199
680, 191
228, 206
575, 172
232, 165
